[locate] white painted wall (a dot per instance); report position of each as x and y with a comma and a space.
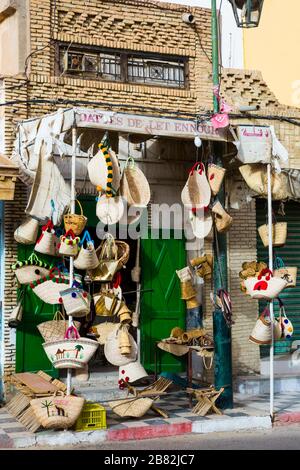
232, 36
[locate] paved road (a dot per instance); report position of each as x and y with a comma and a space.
278, 438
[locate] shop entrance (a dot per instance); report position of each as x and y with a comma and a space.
161, 307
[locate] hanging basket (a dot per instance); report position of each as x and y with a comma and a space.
70, 353
27, 232
75, 222
54, 330
264, 286
57, 412
47, 242
287, 273
48, 288
112, 255
112, 351
262, 333
87, 258
31, 269
69, 244
279, 234
76, 301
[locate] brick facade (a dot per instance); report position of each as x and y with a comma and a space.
147, 26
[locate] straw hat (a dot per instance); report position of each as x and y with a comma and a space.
132, 372
201, 222
109, 210
113, 353
257, 180
196, 192
104, 170
134, 186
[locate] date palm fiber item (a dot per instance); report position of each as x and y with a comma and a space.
57, 411
191, 334
201, 222
262, 333
109, 210
55, 329
132, 372
104, 329
27, 232
124, 314
222, 219
87, 257
279, 234
131, 407
177, 332
48, 288
215, 176
187, 290
31, 269
265, 285
257, 179
104, 170
196, 192
75, 222
113, 255
47, 242
134, 186
69, 244
112, 351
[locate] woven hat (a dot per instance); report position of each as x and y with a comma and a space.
27, 232
104, 170
134, 186
257, 180
109, 210
201, 222
196, 192
132, 372
113, 353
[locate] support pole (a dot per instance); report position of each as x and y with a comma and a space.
222, 333
73, 196
270, 234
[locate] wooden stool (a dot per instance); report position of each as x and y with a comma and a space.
206, 400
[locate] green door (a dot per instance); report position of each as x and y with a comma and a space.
30, 355
161, 309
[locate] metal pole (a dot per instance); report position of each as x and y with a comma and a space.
73, 196
270, 227
222, 333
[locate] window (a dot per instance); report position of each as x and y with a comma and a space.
122, 66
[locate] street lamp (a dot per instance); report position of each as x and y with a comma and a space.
247, 13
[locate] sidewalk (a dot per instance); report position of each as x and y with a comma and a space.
180, 421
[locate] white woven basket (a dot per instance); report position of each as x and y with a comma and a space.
70, 353
76, 301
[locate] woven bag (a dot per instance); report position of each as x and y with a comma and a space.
76, 301
104, 329
107, 303
288, 273
75, 222
69, 244
87, 257
30, 269
131, 407
48, 288
262, 333
58, 411
113, 353
46, 243
134, 185
73, 352
279, 234
112, 256
55, 329
215, 176
27, 232
264, 286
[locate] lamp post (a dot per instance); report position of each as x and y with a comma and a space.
247, 14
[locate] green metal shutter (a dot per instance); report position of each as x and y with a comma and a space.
290, 253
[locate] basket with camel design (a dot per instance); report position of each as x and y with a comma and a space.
73, 352
57, 411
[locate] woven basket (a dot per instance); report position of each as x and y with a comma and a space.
75, 222
76, 301
191, 334
215, 176
70, 353
48, 288
69, 244
112, 351
47, 243
187, 290
107, 304
28, 274
133, 407
54, 330
289, 274
87, 258
57, 412
134, 185
107, 267
262, 334
27, 232
104, 329
279, 234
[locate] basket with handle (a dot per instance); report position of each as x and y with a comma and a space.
75, 222
30, 269
262, 333
69, 244
134, 185
57, 411
46, 243
279, 234
76, 301
27, 232
131, 407
87, 257
48, 288
288, 273
55, 329
112, 255
73, 352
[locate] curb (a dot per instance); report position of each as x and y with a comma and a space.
287, 418
63, 438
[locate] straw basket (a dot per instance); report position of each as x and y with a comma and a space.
177, 332
215, 175
262, 334
134, 185
76, 301
104, 329
111, 259
187, 290
28, 274
47, 242
55, 329
133, 407
57, 412
48, 288
87, 257
125, 314
27, 232
289, 274
279, 234
75, 222
191, 334
113, 353
106, 304
70, 353
69, 244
